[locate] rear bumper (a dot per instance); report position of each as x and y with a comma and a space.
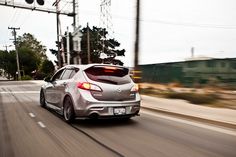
107, 110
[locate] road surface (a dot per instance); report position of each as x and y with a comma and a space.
27, 130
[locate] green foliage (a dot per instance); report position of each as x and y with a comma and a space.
55, 52
26, 77
28, 41
47, 68
29, 61
31, 54
194, 97
96, 47
8, 62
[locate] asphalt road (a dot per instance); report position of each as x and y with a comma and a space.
27, 130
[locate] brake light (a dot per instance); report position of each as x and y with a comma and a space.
109, 71
84, 85
88, 86
135, 88
110, 68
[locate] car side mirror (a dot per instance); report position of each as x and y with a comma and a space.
47, 79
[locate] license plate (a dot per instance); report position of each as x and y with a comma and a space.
119, 111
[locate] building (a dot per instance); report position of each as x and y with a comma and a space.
201, 71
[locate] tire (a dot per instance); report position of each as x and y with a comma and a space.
68, 110
42, 99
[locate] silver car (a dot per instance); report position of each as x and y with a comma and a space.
91, 91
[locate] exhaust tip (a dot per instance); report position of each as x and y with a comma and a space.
93, 116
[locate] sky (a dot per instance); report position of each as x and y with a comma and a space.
169, 29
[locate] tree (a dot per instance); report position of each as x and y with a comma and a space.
8, 63
55, 52
47, 67
28, 41
31, 55
99, 44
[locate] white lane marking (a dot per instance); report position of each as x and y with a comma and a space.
205, 126
19, 92
32, 115
41, 124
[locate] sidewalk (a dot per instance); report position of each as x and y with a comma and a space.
3, 78
184, 108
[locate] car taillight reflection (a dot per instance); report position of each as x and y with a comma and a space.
135, 88
88, 86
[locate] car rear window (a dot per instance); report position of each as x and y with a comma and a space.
109, 74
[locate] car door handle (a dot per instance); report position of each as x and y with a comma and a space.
54, 83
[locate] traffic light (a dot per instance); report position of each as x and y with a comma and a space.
40, 2
29, 1
58, 44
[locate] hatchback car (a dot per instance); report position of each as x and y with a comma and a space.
91, 91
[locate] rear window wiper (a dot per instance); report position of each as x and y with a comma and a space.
106, 81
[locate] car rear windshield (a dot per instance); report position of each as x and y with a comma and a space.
109, 74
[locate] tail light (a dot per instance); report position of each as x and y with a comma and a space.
88, 86
135, 88
108, 69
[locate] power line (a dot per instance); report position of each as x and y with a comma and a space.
174, 23
26, 19
186, 24
189, 24
12, 21
17, 18
64, 6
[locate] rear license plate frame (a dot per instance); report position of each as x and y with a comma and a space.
119, 111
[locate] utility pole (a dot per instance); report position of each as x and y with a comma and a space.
17, 55
68, 46
58, 41
74, 15
6, 46
136, 50
56, 3
88, 43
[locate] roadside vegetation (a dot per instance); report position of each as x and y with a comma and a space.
194, 98
32, 58
200, 96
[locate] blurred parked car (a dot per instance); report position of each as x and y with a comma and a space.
91, 91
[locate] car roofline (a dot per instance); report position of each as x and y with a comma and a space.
86, 66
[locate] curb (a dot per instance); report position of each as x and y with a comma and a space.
199, 119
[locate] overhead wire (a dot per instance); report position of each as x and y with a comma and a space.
63, 7
174, 23
10, 23
66, 3
18, 17
13, 16
25, 19
186, 24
